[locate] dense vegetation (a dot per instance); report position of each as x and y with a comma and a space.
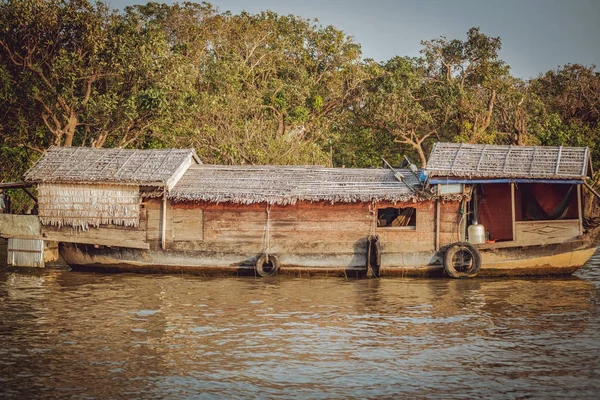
263, 88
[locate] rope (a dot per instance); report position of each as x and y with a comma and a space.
462, 219
373, 211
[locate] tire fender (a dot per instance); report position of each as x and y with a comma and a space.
462, 260
264, 268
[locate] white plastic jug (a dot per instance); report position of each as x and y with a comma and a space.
476, 233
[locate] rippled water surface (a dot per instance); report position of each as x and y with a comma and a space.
82, 335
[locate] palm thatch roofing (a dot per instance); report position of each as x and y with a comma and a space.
290, 184
492, 161
111, 166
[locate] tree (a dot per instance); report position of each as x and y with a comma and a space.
270, 88
570, 108
402, 103
572, 91
77, 73
472, 75
516, 109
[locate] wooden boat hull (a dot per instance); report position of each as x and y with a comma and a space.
542, 260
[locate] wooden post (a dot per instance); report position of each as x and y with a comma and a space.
163, 228
437, 221
580, 209
513, 212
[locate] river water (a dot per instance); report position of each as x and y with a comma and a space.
82, 335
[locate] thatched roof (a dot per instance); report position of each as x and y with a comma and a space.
528, 162
111, 166
289, 184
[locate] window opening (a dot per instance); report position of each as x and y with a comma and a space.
397, 217
552, 205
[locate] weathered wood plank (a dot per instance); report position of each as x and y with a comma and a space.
542, 232
288, 246
107, 236
579, 209
187, 224
285, 226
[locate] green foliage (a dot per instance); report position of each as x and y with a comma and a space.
364, 148
262, 88
567, 110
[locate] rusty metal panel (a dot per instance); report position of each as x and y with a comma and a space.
26, 252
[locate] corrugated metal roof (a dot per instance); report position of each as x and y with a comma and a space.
534, 162
124, 166
289, 184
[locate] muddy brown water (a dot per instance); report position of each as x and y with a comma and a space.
82, 335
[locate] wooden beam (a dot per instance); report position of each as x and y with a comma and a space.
591, 189
163, 227
15, 185
28, 193
178, 174
558, 160
117, 241
513, 212
437, 221
580, 209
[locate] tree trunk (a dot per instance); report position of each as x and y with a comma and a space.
69, 130
422, 156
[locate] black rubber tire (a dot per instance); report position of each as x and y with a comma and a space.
374, 255
462, 260
265, 269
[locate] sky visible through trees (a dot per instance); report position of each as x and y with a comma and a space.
537, 35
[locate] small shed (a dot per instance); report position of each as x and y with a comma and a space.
87, 187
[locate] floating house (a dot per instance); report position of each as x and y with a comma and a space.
483, 210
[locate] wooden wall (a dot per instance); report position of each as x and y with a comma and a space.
311, 228
134, 237
546, 232
450, 223
306, 234
403, 240
303, 233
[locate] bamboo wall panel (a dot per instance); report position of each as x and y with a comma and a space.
84, 205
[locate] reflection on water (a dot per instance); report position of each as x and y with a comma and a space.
72, 334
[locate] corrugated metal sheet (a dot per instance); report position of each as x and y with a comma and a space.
26, 253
